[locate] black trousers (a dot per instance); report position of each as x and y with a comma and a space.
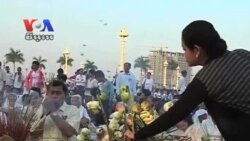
146, 92
233, 125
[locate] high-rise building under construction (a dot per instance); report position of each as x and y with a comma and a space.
166, 68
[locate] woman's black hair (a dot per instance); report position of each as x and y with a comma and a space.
203, 34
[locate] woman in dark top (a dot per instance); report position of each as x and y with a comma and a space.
223, 84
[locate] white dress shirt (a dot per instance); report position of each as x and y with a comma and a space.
18, 83
148, 84
91, 83
80, 80
9, 79
51, 132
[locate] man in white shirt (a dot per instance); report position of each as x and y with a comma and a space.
126, 78
182, 82
80, 83
18, 78
2, 80
147, 85
91, 83
56, 120
9, 77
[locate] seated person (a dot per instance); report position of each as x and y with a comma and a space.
85, 119
58, 121
188, 130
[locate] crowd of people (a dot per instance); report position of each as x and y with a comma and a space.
57, 97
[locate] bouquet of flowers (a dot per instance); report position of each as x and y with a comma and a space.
15, 123
122, 119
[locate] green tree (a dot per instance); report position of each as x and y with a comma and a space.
90, 65
172, 65
41, 61
142, 63
14, 56
61, 61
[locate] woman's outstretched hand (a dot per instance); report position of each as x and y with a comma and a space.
129, 135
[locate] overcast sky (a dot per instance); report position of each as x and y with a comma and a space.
97, 23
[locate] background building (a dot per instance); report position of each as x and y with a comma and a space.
157, 58
166, 68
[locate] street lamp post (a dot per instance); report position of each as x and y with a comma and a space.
66, 54
143, 71
82, 65
165, 73
123, 38
177, 76
82, 54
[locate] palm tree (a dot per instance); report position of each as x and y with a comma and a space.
142, 63
14, 56
172, 65
61, 61
40, 61
89, 65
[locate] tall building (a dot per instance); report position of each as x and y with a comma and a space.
157, 58
175, 74
166, 68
